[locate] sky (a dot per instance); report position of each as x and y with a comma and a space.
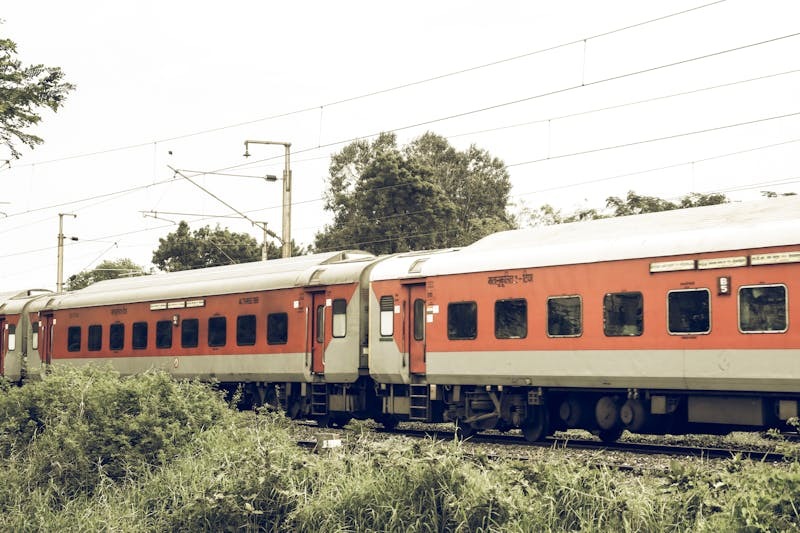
581, 100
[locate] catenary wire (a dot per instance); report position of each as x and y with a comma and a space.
336, 143
377, 92
521, 100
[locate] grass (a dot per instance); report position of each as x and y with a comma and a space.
91, 451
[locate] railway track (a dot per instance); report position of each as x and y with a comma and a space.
629, 447
560, 442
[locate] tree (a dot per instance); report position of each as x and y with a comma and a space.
427, 195
24, 91
110, 269
773, 194
633, 204
185, 250
636, 204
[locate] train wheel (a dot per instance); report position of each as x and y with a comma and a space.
463, 430
607, 413
610, 435
536, 426
341, 420
271, 401
633, 415
388, 421
294, 409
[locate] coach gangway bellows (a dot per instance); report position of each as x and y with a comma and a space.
661, 323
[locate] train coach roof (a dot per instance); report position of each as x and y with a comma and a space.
770, 222
14, 302
317, 269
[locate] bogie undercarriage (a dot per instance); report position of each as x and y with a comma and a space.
607, 413
535, 411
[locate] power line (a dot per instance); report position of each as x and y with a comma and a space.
89, 198
563, 90
542, 95
374, 93
565, 155
657, 139
135, 189
626, 104
656, 169
588, 182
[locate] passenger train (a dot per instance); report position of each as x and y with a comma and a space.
668, 322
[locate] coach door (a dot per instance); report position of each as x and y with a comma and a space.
415, 332
46, 338
317, 332
2, 345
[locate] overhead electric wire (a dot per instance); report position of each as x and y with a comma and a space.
372, 93
656, 169
134, 189
89, 198
657, 139
525, 99
304, 150
555, 118
625, 104
695, 161
527, 193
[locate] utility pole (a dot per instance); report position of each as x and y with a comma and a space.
286, 227
60, 276
264, 245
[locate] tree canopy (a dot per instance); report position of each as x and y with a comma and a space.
426, 195
633, 204
110, 269
24, 91
205, 247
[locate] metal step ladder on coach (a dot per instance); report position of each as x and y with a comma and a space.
420, 402
319, 399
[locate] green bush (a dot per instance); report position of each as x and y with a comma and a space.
76, 428
89, 450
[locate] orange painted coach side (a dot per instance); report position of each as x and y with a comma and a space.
260, 304
592, 282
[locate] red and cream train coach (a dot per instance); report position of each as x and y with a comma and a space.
288, 330
19, 333
665, 322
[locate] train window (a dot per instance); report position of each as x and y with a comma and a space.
339, 318
116, 336
246, 330
12, 337
511, 319
139, 339
190, 329
387, 316
419, 319
320, 325
462, 321
277, 328
217, 331
623, 314
74, 339
564, 316
95, 341
164, 334
762, 309
689, 311
35, 335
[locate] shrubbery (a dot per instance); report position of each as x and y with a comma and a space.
74, 429
89, 450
